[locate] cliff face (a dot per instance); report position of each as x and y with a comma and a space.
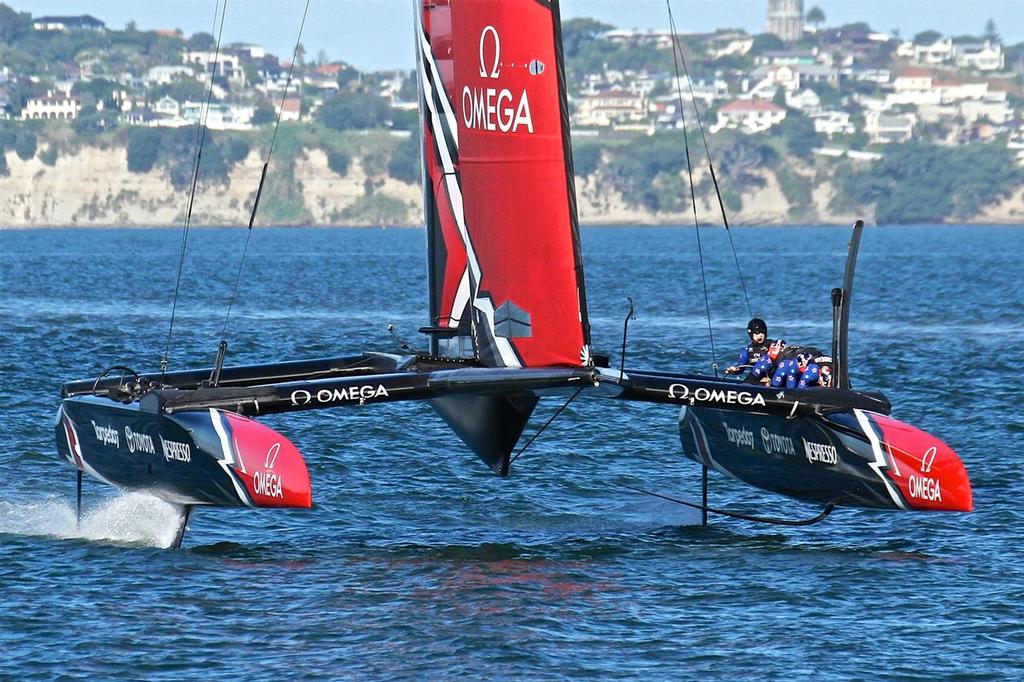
94, 188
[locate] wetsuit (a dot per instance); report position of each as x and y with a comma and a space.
752, 355
801, 367
764, 366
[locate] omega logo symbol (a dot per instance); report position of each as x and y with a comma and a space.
496, 63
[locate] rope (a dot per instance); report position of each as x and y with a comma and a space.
737, 515
693, 197
707, 151
263, 175
197, 151
546, 424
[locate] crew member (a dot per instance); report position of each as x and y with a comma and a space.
803, 367
757, 329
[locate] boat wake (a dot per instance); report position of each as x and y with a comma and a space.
136, 519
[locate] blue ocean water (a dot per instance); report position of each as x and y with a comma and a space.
419, 562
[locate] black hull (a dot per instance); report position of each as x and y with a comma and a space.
851, 458
201, 457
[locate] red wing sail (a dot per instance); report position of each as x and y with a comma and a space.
501, 205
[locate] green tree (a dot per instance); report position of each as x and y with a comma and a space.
816, 16
263, 115
143, 149
766, 42
13, 25
579, 34
927, 37
991, 34
339, 161
798, 131
404, 163
25, 144
586, 158
925, 183
201, 41
357, 111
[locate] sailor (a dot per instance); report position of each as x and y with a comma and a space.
757, 329
765, 367
803, 367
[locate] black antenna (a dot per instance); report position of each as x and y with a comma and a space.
630, 315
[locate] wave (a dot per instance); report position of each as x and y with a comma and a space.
136, 519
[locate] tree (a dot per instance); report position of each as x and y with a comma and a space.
798, 131
354, 111
143, 149
13, 25
577, 34
25, 145
201, 41
404, 163
816, 16
263, 115
766, 42
927, 37
338, 161
991, 34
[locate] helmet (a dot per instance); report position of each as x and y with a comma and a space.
804, 359
825, 379
776, 348
757, 326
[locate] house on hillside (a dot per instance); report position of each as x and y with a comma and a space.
54, 105
659, 39
934, 53
219, 116
833, 122
806, 100
83, 22
290, 110
166, 74
981, 56
885, 128
610, 107
224, 64
749, 116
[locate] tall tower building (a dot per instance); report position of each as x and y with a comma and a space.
786, 19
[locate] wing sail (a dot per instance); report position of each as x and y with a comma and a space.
501, 207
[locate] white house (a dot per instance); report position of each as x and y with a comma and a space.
59, 105
292, 109
85, 22
994, 108
888, 128
167, 106
983, 57
751, 116
833, 122
610, 107
220, 116
166, 74
806, 100
936, 53
227, 65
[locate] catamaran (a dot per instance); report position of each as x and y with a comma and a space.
508, 326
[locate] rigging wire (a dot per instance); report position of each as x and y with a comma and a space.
263, 175
676, 49
197, 152
707, 152
546, 424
